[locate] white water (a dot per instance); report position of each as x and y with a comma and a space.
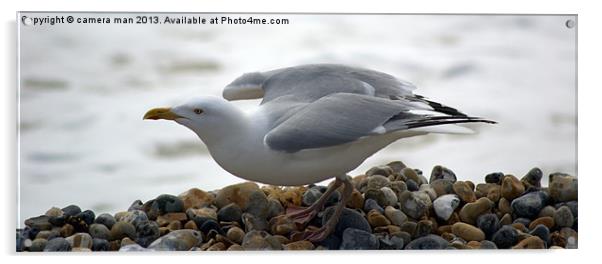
85, 88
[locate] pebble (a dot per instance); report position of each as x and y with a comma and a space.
80, 240
258, 240
390, 196
533, 179
122, 229
205, 212
563, 187
486, 244
412, 205
163, 204
511, 187
165, 219
209, 226
544, 220
410, 174
257, 204
548, 210
445, 205
230, 213
378, 181
87, 216
371, 204
505, 237
38, 244
106, 220
390, 242
489, 224
274, 208
349, 219
179, 240
495, 177
136, 205
99, 231
147, 232
467, 232
397, 217
134, 217
428, 242
376, 219
54, 212
39, 222
311, 196
464, 192
354, 239
423, 228
471, 211
252, 222
542, 232
299, 245
100, 244
281, 225
67, 230
412, 185
532, 242
357, 200
196, 198
530, 204
237, 193
376, 195
382, 170
71, 210
235, 234
563, 217
443, 187
440, 172
57, 244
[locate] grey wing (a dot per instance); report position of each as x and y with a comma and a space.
307, 83
332, 120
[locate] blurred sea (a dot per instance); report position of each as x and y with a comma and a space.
84, 89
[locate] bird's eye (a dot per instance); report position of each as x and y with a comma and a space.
198, 111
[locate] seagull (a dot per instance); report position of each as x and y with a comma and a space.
315, 122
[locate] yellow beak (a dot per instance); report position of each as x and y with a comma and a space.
161, 113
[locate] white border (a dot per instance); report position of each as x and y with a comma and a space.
588, 98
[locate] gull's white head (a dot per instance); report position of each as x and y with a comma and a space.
209, 117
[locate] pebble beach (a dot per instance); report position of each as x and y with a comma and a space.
393, 207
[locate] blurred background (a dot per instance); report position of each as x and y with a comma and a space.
85, 88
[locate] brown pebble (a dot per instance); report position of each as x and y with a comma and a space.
444, 229
504, 206
473, 244
464, 191
165, 219
494, 194
468, 232
520, 227
545, 220
356, 201
219, 246
299, 245
236, 234
377, 219
127, 241
506, 220
235, 247
67, 230
471, 211
511, 187
196, 198
191, 225
533, 242
174, 225
448, 236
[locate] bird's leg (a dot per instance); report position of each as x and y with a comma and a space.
304, 215
323, 232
